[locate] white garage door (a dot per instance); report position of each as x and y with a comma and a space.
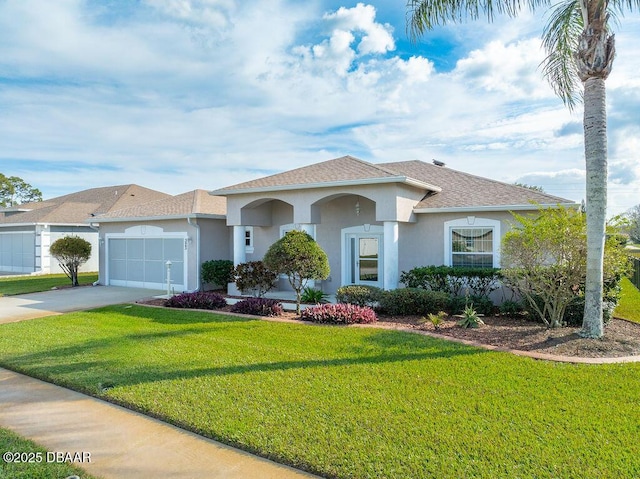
141, 262
18, 252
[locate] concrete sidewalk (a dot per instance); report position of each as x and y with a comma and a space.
121, 443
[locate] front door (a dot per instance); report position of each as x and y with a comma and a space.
364, 253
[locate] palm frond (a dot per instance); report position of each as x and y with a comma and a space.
423, 15
560, 41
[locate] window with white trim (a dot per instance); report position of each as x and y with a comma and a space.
248, 239
472, 243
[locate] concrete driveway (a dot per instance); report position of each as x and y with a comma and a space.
36, 305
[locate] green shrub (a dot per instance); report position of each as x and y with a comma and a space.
359, 295
483, 304
254, 277
412, 301
339, 314
453, 280
511, 308
313, 296
217, 271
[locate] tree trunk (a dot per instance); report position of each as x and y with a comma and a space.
595, 142
594, 59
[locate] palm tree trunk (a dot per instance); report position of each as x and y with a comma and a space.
595, 142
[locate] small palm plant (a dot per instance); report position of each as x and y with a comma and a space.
314, 296
470, 318
435, 319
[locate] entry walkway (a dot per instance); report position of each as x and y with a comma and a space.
120, 443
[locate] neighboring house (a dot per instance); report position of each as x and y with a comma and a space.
376, 220
186, 230
28, 230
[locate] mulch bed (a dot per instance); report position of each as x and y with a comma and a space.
621, 338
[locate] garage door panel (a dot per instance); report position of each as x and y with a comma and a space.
118, 269
156, 270
135, 249
135, 270
117, 249
174, 249
154, 249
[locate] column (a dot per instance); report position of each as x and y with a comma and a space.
391, 255
239, 247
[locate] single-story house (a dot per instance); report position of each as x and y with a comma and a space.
142, 245
376, 220
28, 230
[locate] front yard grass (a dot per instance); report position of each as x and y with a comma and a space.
344, 402
40, 467
12, 285
629, 305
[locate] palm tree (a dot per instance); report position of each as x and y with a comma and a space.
580, 49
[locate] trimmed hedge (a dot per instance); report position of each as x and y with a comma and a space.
358, 295
197, 300
453, 280
412, 301
339, 314
258, 307
217, 271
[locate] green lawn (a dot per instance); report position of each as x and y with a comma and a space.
344, 402
41, 465
629, 305
11, 285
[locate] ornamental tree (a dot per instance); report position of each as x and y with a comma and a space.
300, 258
71, 252
544, 259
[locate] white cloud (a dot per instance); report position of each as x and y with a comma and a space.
510, 69
376, 37
206, 93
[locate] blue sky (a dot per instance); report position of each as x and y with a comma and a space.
182, 94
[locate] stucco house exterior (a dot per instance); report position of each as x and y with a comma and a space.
376, 220
186, 230
28, 230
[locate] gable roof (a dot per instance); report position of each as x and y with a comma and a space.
343, 171
76, 208
196, 203
445, 189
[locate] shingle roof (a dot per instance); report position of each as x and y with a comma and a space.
343, 170
460, 190
196, 202
76, 208
444, 187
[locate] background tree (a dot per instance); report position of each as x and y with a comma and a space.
14, 190
544, 260
300, 258
579, 49
633, 217
71, 252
